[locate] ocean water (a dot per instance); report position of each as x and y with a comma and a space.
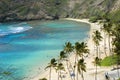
27, 47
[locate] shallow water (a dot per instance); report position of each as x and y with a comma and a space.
27, 47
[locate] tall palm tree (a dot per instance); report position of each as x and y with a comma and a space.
108, 29
96, 62
62, 57
51, 65
59, 68
68, 48
77, 51
80, 49
97, 38
104, 31
81, 67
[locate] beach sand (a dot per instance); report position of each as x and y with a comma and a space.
90, 71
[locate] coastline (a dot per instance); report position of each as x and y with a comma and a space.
90, 66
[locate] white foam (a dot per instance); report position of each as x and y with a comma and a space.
12, 29
19, 29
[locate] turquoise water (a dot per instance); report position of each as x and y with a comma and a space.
27, 47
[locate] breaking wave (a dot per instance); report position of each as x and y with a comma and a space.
13, 29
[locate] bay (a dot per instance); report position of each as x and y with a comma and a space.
27, 47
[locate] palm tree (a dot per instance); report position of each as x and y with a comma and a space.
77, 53
43, 79
63, 55
103, 29
68, 48
51, 65
107, 28
84, 49
59, 68
80, 49
81, 67
96, 62
97, 38
77, 49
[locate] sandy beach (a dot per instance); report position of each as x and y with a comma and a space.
90, 74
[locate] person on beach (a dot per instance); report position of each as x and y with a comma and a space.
106, 76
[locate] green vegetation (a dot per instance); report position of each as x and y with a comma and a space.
43, 79
119, 79
115, 16
78, 67
109, 61
93, 19
81, 67
111, 28
54, 8
51, 65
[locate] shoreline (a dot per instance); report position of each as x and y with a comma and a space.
89, 60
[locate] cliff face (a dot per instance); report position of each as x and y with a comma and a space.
87, 8
30, 9
52, 9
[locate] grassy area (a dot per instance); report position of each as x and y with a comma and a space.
109, 61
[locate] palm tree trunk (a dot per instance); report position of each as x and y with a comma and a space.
82, 75
70, 63
75, 65
109, 44
58, 75
77, 74
50, 74
96, 73
97, 50
110, 52
68, 69
77, 71
105, 44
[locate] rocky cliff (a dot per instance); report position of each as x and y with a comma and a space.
12, 10
31, 9
87, 8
